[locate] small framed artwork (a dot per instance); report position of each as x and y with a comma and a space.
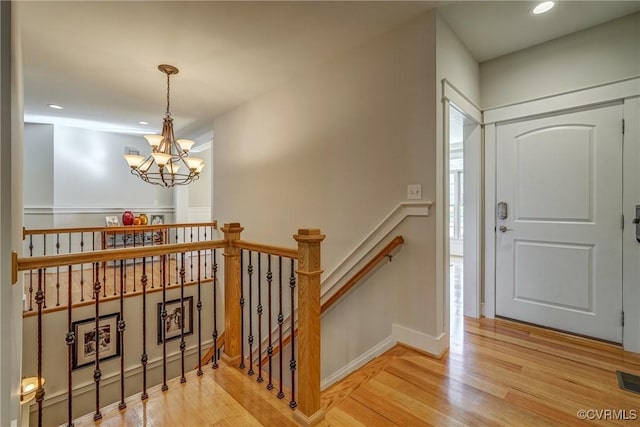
106, 342
171, 327
113, 221
157, 219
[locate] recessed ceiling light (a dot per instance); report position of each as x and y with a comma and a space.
56, 106
143, 123
543, 7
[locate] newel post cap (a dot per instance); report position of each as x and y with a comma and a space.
232, 227
309, 235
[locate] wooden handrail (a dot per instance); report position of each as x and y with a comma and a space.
119, 229
366, 269
267, 249
384, 252
63, 260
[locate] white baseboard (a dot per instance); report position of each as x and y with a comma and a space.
435, 346
359, 362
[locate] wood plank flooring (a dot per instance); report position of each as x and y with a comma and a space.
503, 374
496, 373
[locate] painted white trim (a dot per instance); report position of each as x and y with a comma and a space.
565, 101
359, 362
386, 226
457, 98
89, 386
489, 297
630, 246
435, 346
70, 210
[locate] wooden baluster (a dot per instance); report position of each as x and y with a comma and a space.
81, 268
39, 390
280, 325
44, 274
309, 411
215, 309
205, 252
115, 266
191, 256
97, 373
232, 316
183, 319
292, 360
259, 311
163, 315
70, 340
270, 347
31, 274
176, 259
57, 271
199, 307
135, 278
144, 357
250, 271
121, 328
241, 366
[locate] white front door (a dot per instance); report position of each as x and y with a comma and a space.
559, 249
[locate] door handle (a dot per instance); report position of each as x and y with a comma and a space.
504, 229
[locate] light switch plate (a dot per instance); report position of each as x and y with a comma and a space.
414, 191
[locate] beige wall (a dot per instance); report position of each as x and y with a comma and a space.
335, 149
602, 54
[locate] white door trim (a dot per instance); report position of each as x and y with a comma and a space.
628, 90
565, 101
630, 247
453, 98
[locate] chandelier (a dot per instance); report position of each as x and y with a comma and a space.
169, 163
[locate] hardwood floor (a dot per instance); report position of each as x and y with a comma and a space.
496, 373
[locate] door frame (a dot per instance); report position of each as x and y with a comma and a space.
628, 91
452, 97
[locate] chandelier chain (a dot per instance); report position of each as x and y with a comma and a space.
168, 99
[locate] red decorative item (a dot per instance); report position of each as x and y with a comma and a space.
127, 218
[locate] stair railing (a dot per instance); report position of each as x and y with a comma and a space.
99, 338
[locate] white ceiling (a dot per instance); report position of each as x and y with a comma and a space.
490, 29
98, 59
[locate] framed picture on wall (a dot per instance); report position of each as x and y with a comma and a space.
171, 327
112, 221
106, 342
157, 219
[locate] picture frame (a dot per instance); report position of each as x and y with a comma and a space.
84, 348
170, 329
157, 219
112, 221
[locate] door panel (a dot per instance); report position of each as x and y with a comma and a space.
559, 251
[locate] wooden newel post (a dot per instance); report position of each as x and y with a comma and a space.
232, 338
309, 271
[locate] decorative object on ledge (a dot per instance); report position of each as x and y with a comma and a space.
86, 345
168, 155
144, 220
127, 218
157, 219
112, 221
172, 325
